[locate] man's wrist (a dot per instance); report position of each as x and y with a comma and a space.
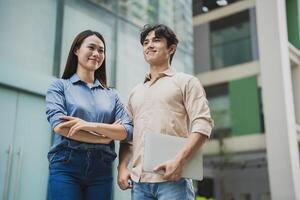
122, 166
180, 159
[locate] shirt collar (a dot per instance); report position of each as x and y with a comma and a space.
167, 72
75, 78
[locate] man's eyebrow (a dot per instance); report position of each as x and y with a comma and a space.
156, 37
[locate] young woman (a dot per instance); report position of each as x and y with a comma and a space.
87, 117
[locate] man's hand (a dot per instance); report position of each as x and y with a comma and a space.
172, 170
124, 180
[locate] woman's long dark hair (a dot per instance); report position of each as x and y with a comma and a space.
72, 61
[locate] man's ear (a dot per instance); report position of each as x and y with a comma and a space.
172, 49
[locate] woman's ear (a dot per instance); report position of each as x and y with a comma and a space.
76, 51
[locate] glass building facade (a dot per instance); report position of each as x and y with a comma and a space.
35, 40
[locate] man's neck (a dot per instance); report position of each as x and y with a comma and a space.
156, 69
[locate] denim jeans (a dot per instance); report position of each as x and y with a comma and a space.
178, 190
79, 175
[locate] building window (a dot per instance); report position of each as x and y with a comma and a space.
245, 196
219, 103
27, 36
140, 12
108, 4
225, 42
236, 108
230, 40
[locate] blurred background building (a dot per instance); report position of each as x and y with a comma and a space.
245, 53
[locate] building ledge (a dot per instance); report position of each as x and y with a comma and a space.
239, 144
294, 55
25, 80
230, 73
223, 12
236, 144
298, 132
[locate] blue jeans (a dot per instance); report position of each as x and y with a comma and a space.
79, 175
178, 190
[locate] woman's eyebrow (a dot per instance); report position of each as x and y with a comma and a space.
93, 44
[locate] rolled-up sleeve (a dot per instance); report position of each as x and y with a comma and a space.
197, 108
122, 114
55, 103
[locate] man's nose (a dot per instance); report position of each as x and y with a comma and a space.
150, 45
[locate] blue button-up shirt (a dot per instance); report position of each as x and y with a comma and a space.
73, 97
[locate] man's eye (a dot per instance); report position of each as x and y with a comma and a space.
91, 48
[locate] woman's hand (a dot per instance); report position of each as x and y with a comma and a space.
76, 124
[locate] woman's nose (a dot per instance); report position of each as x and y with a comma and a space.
95, 53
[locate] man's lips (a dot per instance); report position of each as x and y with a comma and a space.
150, 52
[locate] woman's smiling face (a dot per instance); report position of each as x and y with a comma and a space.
91, 53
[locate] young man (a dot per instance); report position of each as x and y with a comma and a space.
168, 103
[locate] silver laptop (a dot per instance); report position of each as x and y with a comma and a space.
160, 148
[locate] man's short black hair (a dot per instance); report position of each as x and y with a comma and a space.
160, 30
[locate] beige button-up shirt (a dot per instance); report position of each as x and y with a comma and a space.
174, 104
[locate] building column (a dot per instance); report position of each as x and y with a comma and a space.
279, 113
